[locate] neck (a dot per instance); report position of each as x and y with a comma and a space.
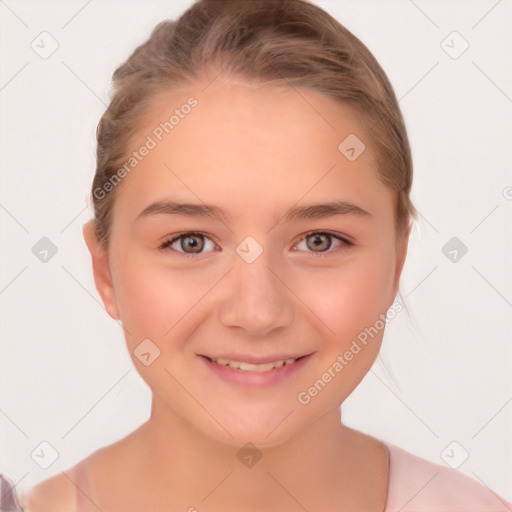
321, 461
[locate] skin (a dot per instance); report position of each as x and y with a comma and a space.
255, 152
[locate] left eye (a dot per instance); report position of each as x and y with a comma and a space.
185, 241
320, 242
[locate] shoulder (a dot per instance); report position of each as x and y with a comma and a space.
55, 494
418, 484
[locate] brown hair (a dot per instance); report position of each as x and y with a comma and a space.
281, 42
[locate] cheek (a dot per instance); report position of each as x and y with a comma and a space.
153, 300
351, 297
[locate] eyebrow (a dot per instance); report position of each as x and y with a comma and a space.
296, 213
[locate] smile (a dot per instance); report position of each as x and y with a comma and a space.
257, 372
250, 367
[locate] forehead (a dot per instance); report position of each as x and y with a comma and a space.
255, 117
251, 144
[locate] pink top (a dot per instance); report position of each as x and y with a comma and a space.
418, 485
414, 485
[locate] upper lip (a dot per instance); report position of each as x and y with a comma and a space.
246, 358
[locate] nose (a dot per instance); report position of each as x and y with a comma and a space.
256, 298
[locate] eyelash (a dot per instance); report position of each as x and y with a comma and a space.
165, 245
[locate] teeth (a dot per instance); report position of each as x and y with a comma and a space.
249, 367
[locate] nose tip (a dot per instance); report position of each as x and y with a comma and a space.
256, 300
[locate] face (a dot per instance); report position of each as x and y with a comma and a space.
255, 270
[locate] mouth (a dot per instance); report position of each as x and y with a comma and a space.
251, 372
254, 367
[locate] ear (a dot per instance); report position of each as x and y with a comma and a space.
101, 270
401, 253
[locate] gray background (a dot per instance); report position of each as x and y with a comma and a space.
65, 376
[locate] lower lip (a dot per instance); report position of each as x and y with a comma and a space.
254, 379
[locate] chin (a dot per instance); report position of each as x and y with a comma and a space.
263, 428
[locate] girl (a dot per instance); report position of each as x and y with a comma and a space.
252, 215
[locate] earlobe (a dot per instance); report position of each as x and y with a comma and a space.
101, 270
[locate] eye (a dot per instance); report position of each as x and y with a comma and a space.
182, 243
319, 242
